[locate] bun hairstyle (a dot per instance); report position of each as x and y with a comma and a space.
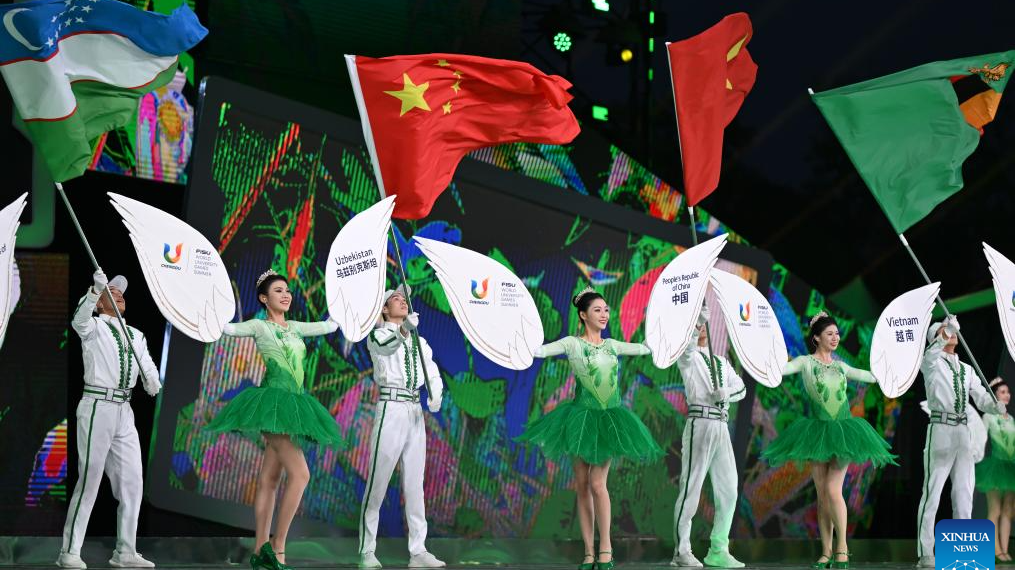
583, 299
265, 281
819, 323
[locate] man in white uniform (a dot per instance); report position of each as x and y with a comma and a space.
398, 434
948, 452
107, 438
706, 449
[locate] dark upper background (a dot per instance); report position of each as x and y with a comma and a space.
787, 186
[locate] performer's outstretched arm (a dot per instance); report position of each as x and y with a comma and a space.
687, 356
631, 348
314, 329
555, 348
795, 366
244, 329
937, 346
858, 374
82, 321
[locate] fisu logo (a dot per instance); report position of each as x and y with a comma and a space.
479, 291
745, 312
175, 257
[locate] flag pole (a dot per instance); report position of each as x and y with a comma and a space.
368, 136
95, 264
690, 215
708, 331
408, 300
941, 303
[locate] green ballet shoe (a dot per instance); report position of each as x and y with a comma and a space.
258, 563
826, 564
269, 559
588, 565
606, 565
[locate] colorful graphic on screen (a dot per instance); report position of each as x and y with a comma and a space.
288, 189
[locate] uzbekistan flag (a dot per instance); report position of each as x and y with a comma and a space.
76, 68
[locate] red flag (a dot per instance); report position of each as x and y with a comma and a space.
711, 73
422, 113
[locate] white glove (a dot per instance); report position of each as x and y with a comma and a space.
433, 405
411, 322
704, 315
153, 387
721, 394
100, 280
951, 325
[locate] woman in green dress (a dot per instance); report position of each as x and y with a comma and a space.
593, 429
995, 474
280, 411
827, 436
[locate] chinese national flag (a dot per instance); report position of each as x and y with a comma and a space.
712, 73
425, 112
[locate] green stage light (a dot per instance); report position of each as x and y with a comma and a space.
600, 113
562, 41
601, 5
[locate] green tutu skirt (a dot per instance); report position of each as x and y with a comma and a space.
849, 440
261, 409
994, 474
593, 435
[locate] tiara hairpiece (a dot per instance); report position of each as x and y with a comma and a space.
264, 276
996, 381
577, 298
815, 318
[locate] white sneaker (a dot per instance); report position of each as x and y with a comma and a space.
368, 560
685, 561
129, 560
68, 560
926, 562
425, 560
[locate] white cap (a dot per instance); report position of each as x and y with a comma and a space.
403, 290
119, 283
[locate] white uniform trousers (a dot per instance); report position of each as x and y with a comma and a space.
107, 441
706, 449
398, 438
947, 454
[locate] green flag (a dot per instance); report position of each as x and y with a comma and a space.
909, 133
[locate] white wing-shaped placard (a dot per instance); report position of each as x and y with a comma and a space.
9, 222
752, 326
676, 299
1003, 271
184, 272
898, 343
491, 304
354, 277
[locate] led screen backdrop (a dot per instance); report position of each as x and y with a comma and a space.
275, 181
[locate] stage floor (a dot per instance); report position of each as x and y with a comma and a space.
340, 552
627, 565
